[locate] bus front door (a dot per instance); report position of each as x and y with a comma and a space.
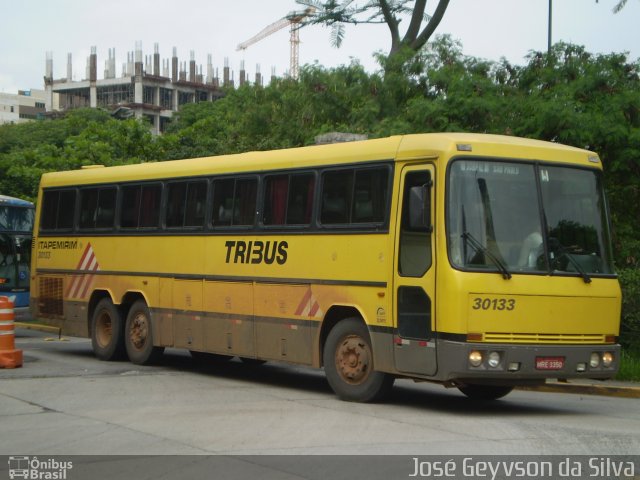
414, 278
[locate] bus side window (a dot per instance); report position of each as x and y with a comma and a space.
175, 204
354, 196
140, 206
370, 195
336, 196
58, 210
106, 213
288, 199
244, 202
300, 202
195, 204
130, 206
222, 201
97, 208
88, 207
275, 201
234, 202
186, 204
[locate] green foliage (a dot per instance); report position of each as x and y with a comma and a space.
569, 96
630, 284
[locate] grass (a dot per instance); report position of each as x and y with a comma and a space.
629, 365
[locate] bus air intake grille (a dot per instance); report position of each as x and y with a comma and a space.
559, 338
50, 299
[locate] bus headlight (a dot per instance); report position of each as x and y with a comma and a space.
493, 359
475, 358
594, 361
607, 359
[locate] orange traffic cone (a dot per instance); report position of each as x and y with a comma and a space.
9, 356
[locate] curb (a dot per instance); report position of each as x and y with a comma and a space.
586, 389
39, 327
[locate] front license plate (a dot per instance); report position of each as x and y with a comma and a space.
549, 363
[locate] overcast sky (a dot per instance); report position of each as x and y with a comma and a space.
488, 29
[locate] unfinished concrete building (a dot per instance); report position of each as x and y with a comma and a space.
143, 90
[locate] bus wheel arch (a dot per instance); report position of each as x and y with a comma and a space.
335, 314
348, 363
105, 327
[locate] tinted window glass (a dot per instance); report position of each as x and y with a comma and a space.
245, 201
234, 202
354, 196
288, 199
88, 207
97, 207
336, 196
49, 213
300, 203
140, 206
370, 196
106, 213
66, 209
58, 209
223, 202
195, 204
176, 204
186, 204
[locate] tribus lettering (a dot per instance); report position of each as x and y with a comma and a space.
256, 252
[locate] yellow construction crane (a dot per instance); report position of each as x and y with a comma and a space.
294, 21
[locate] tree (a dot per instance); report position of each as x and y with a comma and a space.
421, 27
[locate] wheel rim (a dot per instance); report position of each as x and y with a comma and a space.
353, 359
104, 329
139, 331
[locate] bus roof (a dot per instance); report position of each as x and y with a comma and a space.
6, 201
402, 147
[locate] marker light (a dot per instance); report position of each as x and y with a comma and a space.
475, 358
607, 359
513, 366
594, 362
581, 367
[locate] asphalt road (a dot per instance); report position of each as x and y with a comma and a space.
63, 401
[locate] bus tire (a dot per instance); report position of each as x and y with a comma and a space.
485, 392
348, 364
138, 335
107, 339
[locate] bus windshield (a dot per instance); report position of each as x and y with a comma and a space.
15, 257
527, 218
16, 219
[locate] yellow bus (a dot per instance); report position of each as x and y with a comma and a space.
479, 262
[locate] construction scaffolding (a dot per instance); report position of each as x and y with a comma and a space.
142, 90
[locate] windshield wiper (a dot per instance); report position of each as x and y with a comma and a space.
481, 248
564, 253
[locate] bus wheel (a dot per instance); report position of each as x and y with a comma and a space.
485, 392
348, 364
138, 338
106, 331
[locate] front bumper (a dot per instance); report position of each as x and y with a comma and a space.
518, 363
